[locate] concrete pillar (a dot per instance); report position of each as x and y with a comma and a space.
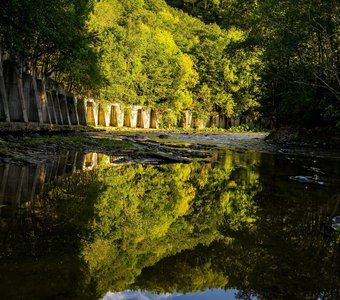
81, 109
120, 115
10, 73
64, 109
4, 108
36, 99
90, 113
197, 122
101, 116
41, 85
186, 119
114, 116
146, 113
127, 117
222, 121
57, 107
52, 109
153, 119
72, 110
140, 119
134, 115
235, 122
214, 120
51, 86
23, 99
75, 100
228, 123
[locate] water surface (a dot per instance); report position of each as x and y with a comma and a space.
245, 225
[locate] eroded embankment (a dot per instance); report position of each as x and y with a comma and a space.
146, 147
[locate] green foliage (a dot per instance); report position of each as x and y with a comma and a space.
292, 61
157, 56
145, 213
53, 37
237, 223
239, 59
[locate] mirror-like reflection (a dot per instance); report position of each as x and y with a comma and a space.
80, 226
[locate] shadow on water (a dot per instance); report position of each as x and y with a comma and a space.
256, 224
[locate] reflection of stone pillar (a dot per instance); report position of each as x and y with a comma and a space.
19, 186
35, 180
41, 179
74, 164
153, 119
90, 161
3, 184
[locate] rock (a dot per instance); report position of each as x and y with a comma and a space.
138, 136
11, 138
170, 157
164, 136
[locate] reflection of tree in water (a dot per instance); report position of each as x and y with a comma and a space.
146, 213
232, 224
284, 253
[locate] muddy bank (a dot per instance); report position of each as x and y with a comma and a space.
148, 147
322, 138
132, 146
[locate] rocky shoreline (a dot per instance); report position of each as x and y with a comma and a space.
145, 147
158, 147
322, 138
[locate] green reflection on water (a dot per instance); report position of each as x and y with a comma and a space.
238, 222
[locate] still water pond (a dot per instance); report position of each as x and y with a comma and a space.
246, 225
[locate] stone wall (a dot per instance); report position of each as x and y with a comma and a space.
34, 100
29, 97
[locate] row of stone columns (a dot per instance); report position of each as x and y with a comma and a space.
34, 98
218, 120
31, 97
116, 115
